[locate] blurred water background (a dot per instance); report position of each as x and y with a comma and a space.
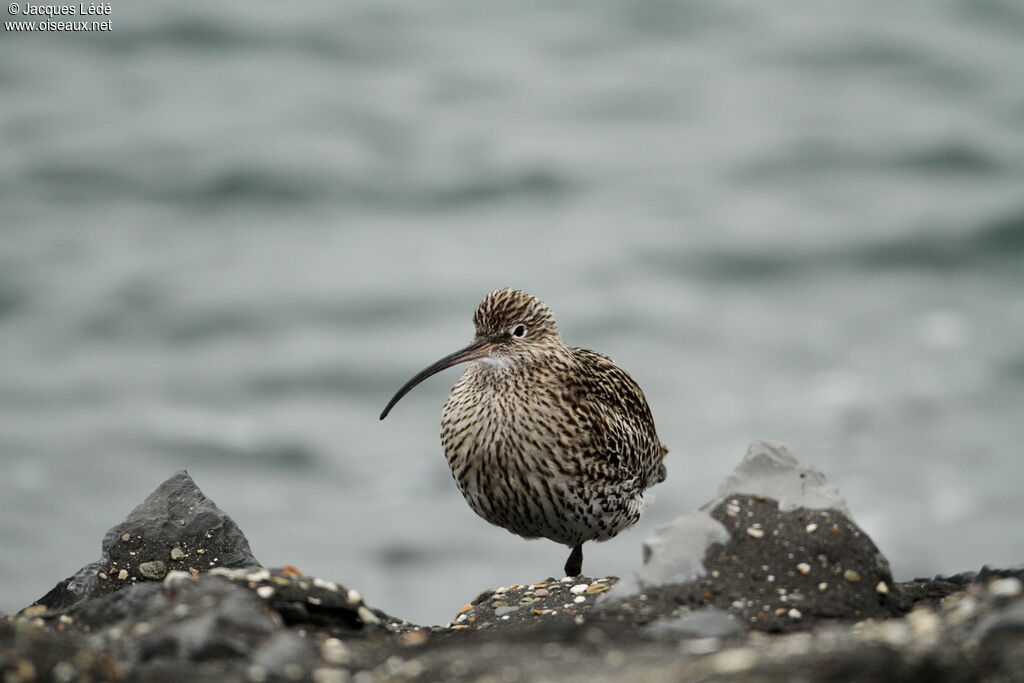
230, 233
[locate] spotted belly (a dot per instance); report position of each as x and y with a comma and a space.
560, 508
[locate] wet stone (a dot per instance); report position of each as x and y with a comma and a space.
154, 570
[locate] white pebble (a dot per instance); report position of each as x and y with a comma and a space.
882, 588
734, 661
323, 583
580, 598
578, 588
367, 616
803, 568
755, 532
325, 675
810, 528
1009, 587
265, 592
794, 613
259, 575
335, 651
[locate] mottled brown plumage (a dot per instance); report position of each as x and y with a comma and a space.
544, 439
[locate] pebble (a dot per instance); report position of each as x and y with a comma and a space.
123, 575
882, 588
325, 584
335, 651
811, 528
598, 588
803, 568
851, 575
155, 570
755, 532
542, 592
414, 638
579, 588
177, 553
794, 613
465, 608
580, 598
1009, 587
924, 624
258, 576
64, 672
265, 592
822, 586
502, 611
734, 661
325, 675
353, 596
366, 615
126, 537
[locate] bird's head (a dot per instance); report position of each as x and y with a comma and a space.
514, 323
512, 327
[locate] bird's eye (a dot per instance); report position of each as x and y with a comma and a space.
519, 331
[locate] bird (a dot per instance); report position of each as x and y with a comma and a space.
544, 439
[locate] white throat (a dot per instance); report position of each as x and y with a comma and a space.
495, 362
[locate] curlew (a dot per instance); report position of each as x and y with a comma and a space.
544, 439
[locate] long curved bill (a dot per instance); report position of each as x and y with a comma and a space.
477, 349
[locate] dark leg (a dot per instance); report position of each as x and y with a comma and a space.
574, 565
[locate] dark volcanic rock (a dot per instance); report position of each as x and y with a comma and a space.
781, 567
176, 525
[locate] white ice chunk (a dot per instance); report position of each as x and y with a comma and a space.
674, 553
769, 469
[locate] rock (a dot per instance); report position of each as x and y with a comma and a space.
794, 579
760, 580
154, 570
286, 656
775, 547
175, 515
